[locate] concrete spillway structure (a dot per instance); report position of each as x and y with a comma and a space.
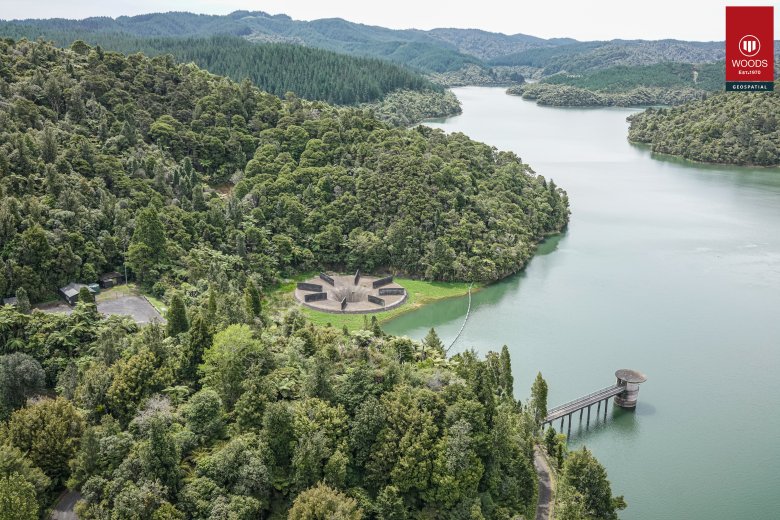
630, 379
356, 293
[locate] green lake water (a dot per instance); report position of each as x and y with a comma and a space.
667, 267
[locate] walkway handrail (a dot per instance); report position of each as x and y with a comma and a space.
583, 398
624, 392
463, 326
586, 401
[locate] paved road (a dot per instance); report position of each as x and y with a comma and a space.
63, 510
544, 506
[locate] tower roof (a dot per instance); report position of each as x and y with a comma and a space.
630, 376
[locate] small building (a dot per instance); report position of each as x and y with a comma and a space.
10, 301
111, 279
71, 291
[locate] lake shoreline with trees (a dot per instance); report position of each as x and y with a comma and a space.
217, 160
210, 191
723, 129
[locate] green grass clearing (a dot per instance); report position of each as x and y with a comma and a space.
419, 293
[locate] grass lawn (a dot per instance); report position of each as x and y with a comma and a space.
419, 293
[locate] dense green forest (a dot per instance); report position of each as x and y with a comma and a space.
280, 68
670, 75
486, 45
408, 107
568, 96
729, 127
452, 47
450, 54
225, 415
211, 190
581, 57
97, 149
658, 84
471, 75
413, 48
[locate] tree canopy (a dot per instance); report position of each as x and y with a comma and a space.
189, 177
730, 128
283, 417
210, 190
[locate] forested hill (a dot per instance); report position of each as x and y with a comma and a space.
280, 68
90, 138
729, 127
706, 76
211, 190
581, 57
413, 48
308, 72
666, 83
437, 51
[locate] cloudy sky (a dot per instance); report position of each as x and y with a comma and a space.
581, 19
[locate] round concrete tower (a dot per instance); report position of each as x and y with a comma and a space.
631, 379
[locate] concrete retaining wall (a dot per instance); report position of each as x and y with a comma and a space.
315, 297
382, 281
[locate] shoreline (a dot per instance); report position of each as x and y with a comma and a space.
694, 162
419, 293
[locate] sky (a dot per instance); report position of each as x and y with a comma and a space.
581, 19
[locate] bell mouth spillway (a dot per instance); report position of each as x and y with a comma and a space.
353, 294
350, 294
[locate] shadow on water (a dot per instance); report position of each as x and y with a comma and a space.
452, 310
550, 244
623, 421
721, 173
620, 421
644, 409
496, 290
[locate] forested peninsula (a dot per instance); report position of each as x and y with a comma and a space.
665, 83
95, 144
729, 128
568, 96
211, 191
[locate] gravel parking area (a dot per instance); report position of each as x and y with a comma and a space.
137, 307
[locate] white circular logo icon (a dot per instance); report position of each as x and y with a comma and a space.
749, 46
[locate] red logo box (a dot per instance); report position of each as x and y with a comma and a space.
750, 51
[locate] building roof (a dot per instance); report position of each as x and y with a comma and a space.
10, 301
111, 275
73, 288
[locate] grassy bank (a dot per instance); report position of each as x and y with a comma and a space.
419, 293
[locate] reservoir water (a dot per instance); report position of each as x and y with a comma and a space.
667, 267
